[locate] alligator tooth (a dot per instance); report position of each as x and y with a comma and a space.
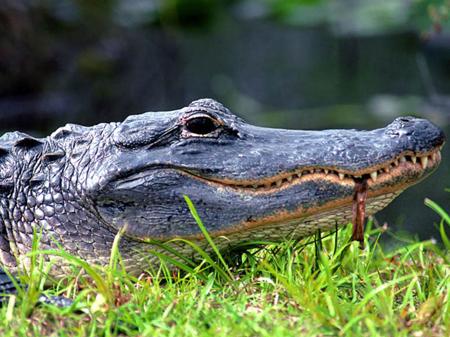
289, 179
414, 159
311, 171
341, 176
402, 159
386, 169
433, 156
424, 162
374, 176
299, 174
396, 162
278, 183
326, 171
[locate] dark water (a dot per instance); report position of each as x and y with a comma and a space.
270, 74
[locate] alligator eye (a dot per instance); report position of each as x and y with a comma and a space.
201, 125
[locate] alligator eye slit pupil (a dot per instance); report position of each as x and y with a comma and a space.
201, 125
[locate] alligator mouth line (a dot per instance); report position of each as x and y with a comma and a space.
407, 161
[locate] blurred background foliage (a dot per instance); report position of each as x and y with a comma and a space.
282, 63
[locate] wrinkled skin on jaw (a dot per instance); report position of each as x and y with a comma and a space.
151, 160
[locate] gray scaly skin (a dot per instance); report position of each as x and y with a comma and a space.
81, 185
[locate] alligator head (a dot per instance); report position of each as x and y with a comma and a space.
250, 182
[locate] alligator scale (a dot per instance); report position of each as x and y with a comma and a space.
81, 185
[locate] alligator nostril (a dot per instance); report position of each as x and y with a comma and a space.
406, 119
402, 126
404, 122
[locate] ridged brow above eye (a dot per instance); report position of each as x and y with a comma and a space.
201, 124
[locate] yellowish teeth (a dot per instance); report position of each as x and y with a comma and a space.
374, 175
424, 162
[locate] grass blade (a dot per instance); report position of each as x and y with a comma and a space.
207, 236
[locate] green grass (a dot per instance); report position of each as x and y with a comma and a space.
319, 286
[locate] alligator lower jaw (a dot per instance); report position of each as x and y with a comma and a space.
390, 180
284, 226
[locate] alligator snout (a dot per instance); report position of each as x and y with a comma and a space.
421, 134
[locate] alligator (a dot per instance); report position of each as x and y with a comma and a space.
80, 186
